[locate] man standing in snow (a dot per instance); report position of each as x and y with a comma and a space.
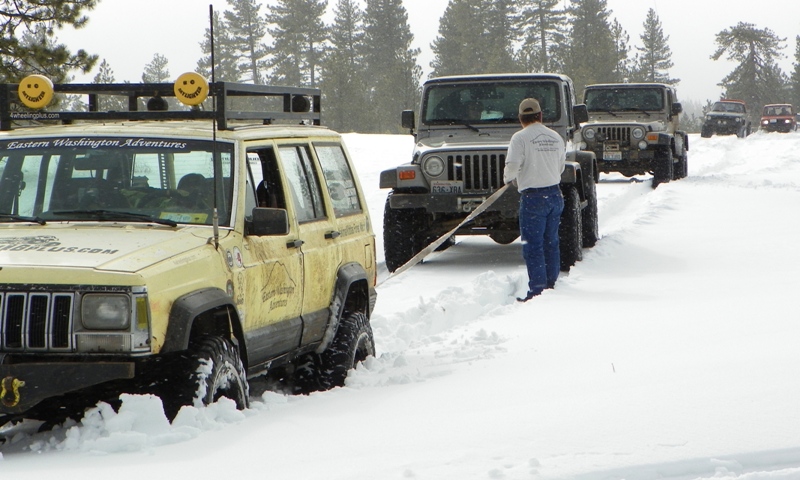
534, 163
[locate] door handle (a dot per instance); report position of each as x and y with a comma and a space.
332, 235
294, 243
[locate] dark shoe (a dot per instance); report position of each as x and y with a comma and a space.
527, 297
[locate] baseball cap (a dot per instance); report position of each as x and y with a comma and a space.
528, 106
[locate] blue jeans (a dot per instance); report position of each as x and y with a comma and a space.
539, 215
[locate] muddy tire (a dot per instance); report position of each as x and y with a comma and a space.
404, 234
589, 221
570, 230
681, 168
662, 168
352, 344
209, 370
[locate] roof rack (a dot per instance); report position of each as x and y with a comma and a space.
299, 104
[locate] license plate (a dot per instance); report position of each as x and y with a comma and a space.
446, 187
612, 155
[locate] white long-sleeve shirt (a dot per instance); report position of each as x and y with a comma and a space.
536, 157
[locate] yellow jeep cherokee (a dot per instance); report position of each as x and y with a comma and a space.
178, 252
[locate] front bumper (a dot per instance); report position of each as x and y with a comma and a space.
723, 127
24, 385
507, 204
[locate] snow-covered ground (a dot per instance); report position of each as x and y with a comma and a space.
669, 352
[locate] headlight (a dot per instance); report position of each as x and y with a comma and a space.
106, 312
637, 133
588, 134
433, 166
642, 145
738, 120
764, 122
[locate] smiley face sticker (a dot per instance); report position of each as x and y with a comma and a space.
191, 88
35, 91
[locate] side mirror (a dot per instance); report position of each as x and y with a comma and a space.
677, 108
407, 119
580, 113
268, 221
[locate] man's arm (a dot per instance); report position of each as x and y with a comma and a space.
513, 160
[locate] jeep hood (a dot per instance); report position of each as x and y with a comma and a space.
462, 138
118, 248
627, 119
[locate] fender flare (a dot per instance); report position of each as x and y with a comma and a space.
589, 171
348, 275
188, 307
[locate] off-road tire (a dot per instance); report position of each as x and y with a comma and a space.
589, 221
404, 233
209, 370
681, 168
352, 344
706, 132
570, 230
662, 166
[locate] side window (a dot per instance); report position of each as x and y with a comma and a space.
303, 183
338, 179
253, 179
568, 102
266, 179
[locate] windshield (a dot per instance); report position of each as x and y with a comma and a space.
114, 178
624, 99
777, 110
728, 107
487, 103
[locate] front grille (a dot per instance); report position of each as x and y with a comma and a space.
480, 172
36, 321
618, 134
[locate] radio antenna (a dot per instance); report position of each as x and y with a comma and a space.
215, 214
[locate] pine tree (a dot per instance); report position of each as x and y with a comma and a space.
392, 73
245, 30
795, 79
623, 67
757, 79
455, 48
226, 68
299, 35
475, 36
592, 56
543, 31
28, 44
156, 71
656, 56
109, 102
499, 31
343, 79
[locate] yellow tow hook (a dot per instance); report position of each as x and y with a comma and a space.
9, 391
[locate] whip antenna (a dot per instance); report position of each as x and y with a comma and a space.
215, 214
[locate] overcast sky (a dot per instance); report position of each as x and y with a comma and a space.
128, 37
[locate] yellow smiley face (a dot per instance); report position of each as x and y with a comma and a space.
35, 91
191, 88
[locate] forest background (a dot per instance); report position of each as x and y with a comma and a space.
364, 62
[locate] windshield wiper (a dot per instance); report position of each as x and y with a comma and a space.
453, 121
115, 215
605, 111
639, 110
21, 218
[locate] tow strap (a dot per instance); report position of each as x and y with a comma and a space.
433, 246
